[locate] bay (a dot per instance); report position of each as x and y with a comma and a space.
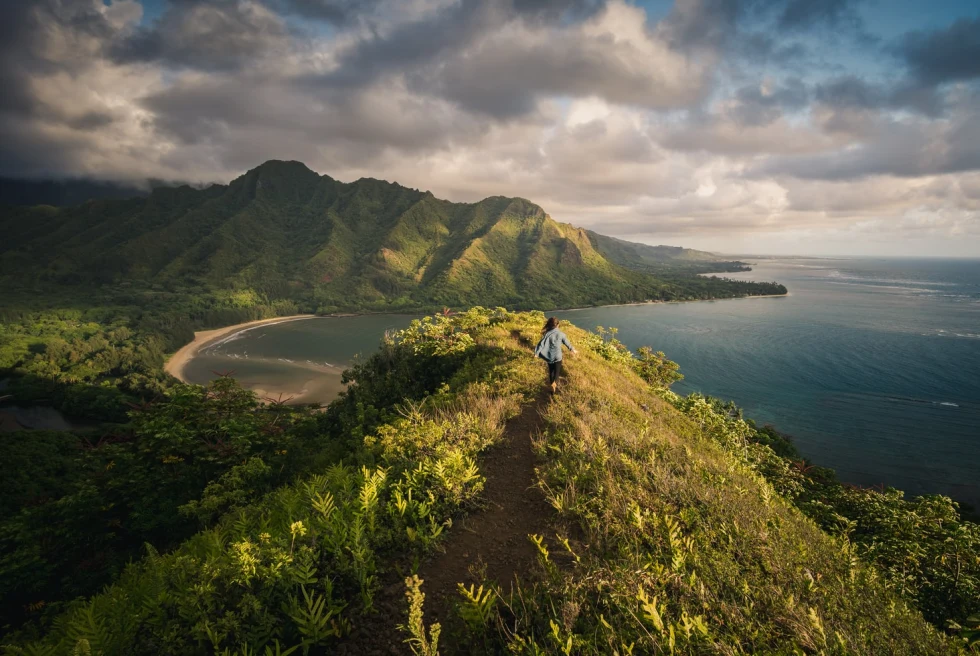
296, 361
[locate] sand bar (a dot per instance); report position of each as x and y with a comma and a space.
202, 338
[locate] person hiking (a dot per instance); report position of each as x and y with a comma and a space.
549, 350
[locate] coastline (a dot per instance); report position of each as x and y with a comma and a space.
202, 338
689, 300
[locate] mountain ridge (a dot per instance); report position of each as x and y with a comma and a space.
286, 231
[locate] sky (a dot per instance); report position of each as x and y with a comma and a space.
823, 127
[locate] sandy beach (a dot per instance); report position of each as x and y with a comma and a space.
175, 365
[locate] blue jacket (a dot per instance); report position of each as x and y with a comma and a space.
549, 348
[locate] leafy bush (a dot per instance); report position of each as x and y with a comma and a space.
299, 567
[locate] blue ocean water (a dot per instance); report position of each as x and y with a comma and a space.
871, 365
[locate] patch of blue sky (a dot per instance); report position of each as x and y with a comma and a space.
152, 9
655, 9
890, 19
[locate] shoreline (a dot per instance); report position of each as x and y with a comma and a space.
202, 338
689, 300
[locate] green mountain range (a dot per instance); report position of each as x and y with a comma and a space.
284, 231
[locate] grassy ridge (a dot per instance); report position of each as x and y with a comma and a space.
677, 543
678, 531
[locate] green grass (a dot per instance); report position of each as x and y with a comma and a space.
677, 545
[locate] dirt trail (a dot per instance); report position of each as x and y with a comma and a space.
493, 545
488, 545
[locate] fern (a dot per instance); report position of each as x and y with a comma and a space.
478, 605
314, 618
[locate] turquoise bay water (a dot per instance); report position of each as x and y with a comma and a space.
300, 360
873, 366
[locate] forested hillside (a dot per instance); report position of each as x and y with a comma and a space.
663, 260
648, 523
283, 231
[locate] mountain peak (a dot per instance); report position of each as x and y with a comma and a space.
283, 166
279, 180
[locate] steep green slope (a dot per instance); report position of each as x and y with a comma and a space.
671, 529
283, 231
626, 253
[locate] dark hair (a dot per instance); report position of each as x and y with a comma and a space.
550, 324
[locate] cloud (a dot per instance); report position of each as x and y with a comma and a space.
907, 147
804, 14
943, 55
851, 92
339, 12
721, 117
500, 59
207, 34
612, 56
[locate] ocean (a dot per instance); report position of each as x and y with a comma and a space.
871, 365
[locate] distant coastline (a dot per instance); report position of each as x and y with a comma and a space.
686, 300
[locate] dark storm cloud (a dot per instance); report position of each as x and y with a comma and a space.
22, 28
854, 93
27, 31
943, 55
207, 35
414, 43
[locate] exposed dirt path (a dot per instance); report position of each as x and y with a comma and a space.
489, 545
493, 545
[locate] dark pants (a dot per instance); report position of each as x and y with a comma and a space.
554, 370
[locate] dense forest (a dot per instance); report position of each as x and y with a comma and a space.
674, 525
